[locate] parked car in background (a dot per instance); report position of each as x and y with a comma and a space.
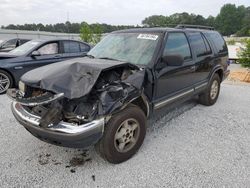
34, 54
234, 51
10, 44
106, 97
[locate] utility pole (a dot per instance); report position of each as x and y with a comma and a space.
67, 24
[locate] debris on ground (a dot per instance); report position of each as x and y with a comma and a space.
93, 177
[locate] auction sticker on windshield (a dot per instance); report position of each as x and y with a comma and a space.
147, 36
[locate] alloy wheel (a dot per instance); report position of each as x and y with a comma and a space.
127, 135
214, 89
4, 83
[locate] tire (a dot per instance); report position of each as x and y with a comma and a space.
237, 62
116, 133
6, 81
211, 94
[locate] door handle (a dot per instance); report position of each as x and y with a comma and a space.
57, 56
193, 68
17, 68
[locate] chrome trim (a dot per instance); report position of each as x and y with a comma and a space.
62, 127
25, 115
31, 104
169, 100
201, 86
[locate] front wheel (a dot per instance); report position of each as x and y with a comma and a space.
123, 135
6, 81
211, 94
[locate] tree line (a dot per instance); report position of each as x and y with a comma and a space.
232, 19
67, 27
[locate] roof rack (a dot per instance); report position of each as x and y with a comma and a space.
183, 26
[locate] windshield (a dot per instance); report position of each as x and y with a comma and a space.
23, 49
134, 48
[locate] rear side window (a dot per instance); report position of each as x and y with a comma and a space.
10, 44
71, 47
84, 47
177, 44
199, 44
23, 41
218, 41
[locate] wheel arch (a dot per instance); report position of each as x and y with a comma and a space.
218, 70
220, 73
143, 103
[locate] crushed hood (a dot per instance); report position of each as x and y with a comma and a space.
75, 78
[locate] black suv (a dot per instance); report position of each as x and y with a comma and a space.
106, 97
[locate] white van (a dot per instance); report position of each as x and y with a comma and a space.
234, 51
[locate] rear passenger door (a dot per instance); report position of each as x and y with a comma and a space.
203, 57
173, 82
74, 49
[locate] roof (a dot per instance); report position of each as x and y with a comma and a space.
58, 39
160, 30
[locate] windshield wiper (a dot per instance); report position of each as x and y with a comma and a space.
109, 58
90, 56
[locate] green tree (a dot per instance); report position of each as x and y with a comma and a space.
246, 24
155, 21
97, 33
174, 19
229, 21
86, 33
245, 55
210, 21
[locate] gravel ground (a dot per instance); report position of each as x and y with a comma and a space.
191, 146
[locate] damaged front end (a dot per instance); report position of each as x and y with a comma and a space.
65, 116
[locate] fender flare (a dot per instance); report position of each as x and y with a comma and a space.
216, 69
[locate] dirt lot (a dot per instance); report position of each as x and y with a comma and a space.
191, 146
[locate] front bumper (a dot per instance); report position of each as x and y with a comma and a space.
63, 134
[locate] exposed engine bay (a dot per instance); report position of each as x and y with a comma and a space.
111, 92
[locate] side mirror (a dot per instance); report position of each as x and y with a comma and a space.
173, 60
35, 53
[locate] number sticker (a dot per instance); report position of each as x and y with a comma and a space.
148, 37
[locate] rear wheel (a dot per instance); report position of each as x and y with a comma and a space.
123, 135
6, 81
210, 96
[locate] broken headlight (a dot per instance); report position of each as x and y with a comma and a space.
22, 86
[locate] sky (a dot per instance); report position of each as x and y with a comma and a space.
115, 12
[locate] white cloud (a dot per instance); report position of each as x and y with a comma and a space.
102, 11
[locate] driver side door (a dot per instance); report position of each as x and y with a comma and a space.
48, 53
174, 82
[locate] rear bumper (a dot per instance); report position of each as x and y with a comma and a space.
63, 134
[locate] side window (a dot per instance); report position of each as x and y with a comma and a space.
199, 44
49, 49
22, 41
218, 41
10, 44
84, 47
71, 47
177, 44
209, 50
